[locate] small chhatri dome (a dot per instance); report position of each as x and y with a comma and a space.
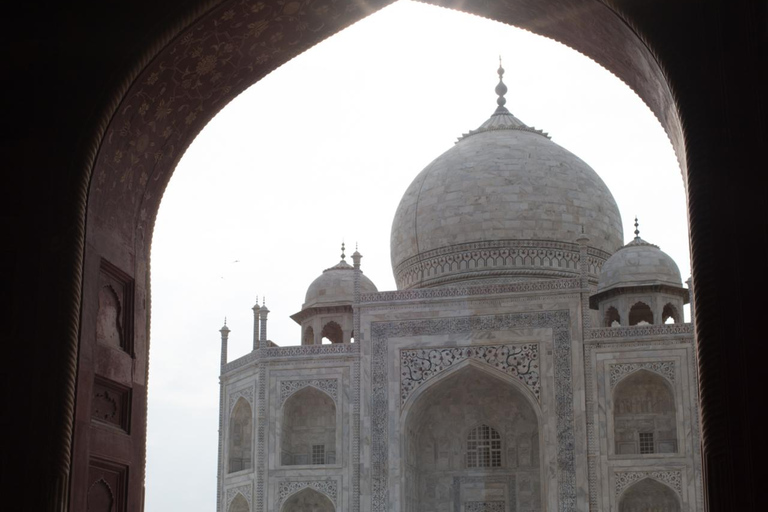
639, 263
336, 286
504, 203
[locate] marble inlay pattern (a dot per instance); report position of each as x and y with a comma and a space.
663, 368
246, 393
672, 478
326, 487
289, 387
484, 506
520, 361
232, 492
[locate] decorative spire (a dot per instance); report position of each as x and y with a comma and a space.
343, 256
501, 90
637, 229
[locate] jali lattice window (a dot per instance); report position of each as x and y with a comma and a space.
646, 442
318, 454
483, 448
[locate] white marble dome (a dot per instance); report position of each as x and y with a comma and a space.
336, 286
639, 263
505, 202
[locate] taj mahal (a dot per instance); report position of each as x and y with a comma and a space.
530, 360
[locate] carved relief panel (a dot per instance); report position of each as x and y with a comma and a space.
114, 320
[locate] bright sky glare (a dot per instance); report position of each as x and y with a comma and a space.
321, 151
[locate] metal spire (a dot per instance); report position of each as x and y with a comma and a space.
342, 251
637, 230
501, 90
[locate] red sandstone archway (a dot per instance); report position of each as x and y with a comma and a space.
195, 71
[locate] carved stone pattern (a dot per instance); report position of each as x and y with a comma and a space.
558, 321
289, 387
246, 393
458, 481
663, 368
639, 330
520, 361
484, 506
469, 291
510, 256
673, 478
232, 492
292, 351
261, 462
592, 450
326, 487
355, 498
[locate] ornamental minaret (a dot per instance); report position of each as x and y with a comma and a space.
263, 312
256, 309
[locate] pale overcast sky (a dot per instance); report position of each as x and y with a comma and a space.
321, 151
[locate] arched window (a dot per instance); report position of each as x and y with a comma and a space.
239, 504
240, 436
648, 494
332, 332
612, 318
309, 429
670, 313
644, 416
309, 336
640, 314
308, 500
483, 448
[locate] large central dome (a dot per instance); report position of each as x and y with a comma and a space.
505, 203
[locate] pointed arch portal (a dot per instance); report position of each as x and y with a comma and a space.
106, 172
464, 432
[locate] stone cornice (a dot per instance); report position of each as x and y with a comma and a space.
416, 294
293, 352
595, 299
320, 310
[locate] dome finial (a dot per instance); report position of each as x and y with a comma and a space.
343, 256
501, 90
637, 229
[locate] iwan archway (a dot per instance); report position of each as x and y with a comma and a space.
177, 88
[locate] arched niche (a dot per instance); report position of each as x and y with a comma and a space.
241, 437
470, 405
332, 332
649, 495
644, 415
640, 314
612, 317
239, 504
670, 312
308, 429
308, 500
100, 498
